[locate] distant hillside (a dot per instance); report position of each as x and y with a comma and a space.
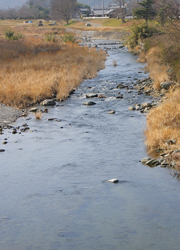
11, 3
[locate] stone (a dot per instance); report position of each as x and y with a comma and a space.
152, 163
166, 85
4, 142
169, 142
111, 112
33, 110
113, 180
144, 160
48, 102
101, 96
164, 164
51, 119
120, 86
146, 105
88, 103
131, 108
119, 97
91, 95
2, 150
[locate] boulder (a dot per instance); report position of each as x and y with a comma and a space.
166, 85
48, 102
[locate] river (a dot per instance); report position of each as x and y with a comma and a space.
54, 189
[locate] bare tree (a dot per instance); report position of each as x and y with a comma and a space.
121, 10
167, 10
62, 9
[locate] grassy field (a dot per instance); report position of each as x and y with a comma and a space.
42, 64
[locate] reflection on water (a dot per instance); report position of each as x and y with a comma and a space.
54, 191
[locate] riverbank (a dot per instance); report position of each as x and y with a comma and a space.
42, 70
163, 64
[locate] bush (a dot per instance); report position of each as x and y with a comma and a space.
69, 38
140, 32
50, 38
9, 34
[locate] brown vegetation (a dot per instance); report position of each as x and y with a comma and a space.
163, 60
32, 69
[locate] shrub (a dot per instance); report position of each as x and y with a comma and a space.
9, 34
69, 37
50, 38
139, 32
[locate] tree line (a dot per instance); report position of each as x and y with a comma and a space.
162, 10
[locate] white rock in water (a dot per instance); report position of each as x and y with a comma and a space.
91, 95
113, 180
33, 109
111, 112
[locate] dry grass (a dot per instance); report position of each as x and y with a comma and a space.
163, 123
157, 70
38, 115
32, 70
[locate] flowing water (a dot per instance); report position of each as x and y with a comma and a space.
54, 189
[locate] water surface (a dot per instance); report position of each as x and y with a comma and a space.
54, 189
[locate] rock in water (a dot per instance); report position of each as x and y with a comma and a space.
89, 103
113, 180
91, 95
152, 163
144, 160
111, 112
48, 102
33, 109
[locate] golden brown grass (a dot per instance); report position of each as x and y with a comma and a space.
163, 123
38, 115
32, 70
157, 70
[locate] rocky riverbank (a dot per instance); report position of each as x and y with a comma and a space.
168, 156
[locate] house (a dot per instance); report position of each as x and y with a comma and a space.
84, 12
